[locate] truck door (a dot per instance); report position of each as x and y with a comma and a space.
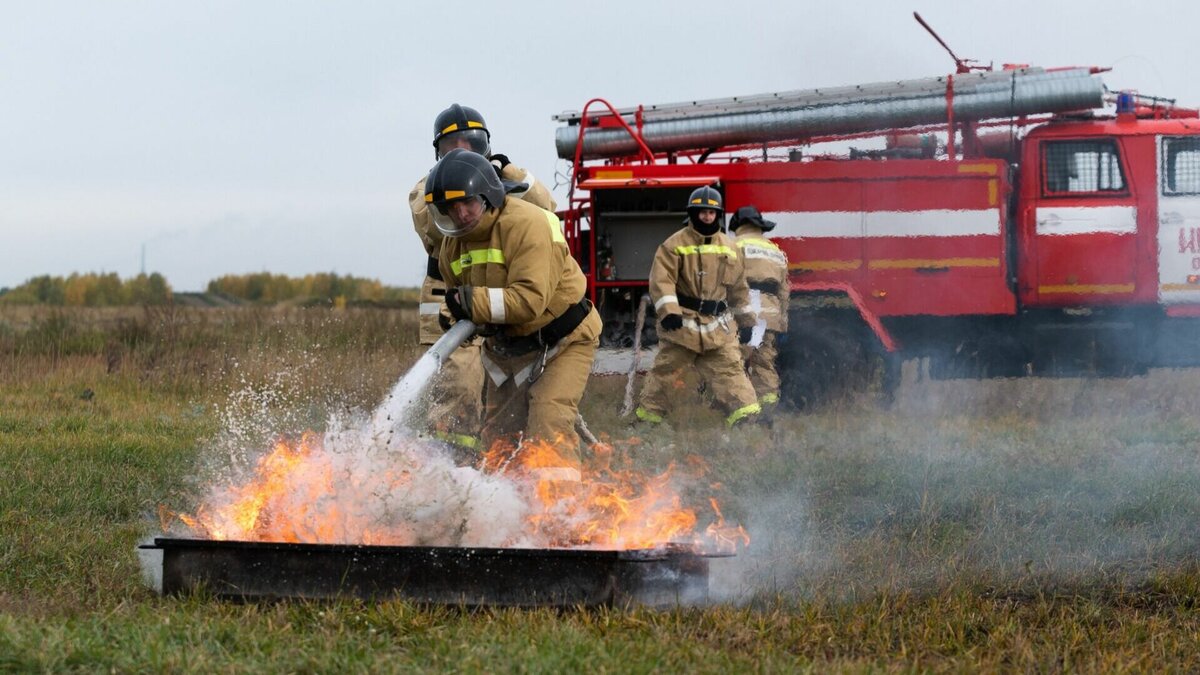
1179, 220
1084, 241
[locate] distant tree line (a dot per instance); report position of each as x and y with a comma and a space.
264, 288
90, 290
326, 287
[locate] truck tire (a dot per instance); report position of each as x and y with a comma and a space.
825, 359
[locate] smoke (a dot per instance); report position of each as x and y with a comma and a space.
1018, 484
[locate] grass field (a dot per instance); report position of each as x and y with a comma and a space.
1010, 525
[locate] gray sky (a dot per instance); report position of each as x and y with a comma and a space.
243, 136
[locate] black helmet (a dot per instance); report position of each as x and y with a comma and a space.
458, 176
705, 198
465, 124
749, 215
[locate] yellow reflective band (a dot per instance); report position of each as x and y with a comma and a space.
989, 169
697, 200
757, 242
714, 202
556, 233
919, 263
769, 399
826, 265
713, 249
647, 416
481, 256
736, 415
452, 127
461, 440
474, 125
455, 194
613, 174
429, 197
1089, 289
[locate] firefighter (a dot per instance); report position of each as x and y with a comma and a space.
507, 267
698, 284
767, 277
457, 407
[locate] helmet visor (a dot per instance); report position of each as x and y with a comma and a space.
458, 217
475, 140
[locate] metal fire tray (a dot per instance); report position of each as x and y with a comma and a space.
521, 577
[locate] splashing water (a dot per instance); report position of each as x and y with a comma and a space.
370, 479
392, 415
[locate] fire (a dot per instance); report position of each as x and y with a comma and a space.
301, 491
274, 505
609, 508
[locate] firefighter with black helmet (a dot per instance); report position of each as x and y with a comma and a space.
698, 285
767, 277
457, 407
507, 266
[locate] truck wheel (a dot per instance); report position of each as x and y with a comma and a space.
825, 360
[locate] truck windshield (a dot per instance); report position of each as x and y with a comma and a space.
1181, 166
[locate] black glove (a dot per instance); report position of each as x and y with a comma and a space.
454, 302
671, 322
744, 335
499, 161
445, 322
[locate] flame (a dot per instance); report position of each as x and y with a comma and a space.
610, 508
298, 493
275, 505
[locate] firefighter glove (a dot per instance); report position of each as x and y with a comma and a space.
445, 322
499, 161
744, 335
455, 297
671, 322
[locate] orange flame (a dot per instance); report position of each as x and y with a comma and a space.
609, 508
293, 497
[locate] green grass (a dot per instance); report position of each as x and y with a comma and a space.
1024, 525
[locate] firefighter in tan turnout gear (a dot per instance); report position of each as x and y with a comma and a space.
456, 411
767, 277
507, 268
698, 285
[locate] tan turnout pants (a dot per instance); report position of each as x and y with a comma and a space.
721, 367
760, 368
546, 408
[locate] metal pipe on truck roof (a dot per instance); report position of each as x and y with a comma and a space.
1020, 93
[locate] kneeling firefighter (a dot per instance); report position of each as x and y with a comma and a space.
507, 268
457, 405
767, 277
698, 285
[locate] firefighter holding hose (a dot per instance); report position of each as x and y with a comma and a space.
457, 407
698, 285
507, 267
767, 277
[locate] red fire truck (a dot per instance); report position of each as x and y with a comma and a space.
1020, 221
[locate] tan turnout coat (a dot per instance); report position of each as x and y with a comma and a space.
707, 268
765, 262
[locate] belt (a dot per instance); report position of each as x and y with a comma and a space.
706, 307
769, 286
546, 336
432, 270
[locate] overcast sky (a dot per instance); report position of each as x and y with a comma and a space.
243, 136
